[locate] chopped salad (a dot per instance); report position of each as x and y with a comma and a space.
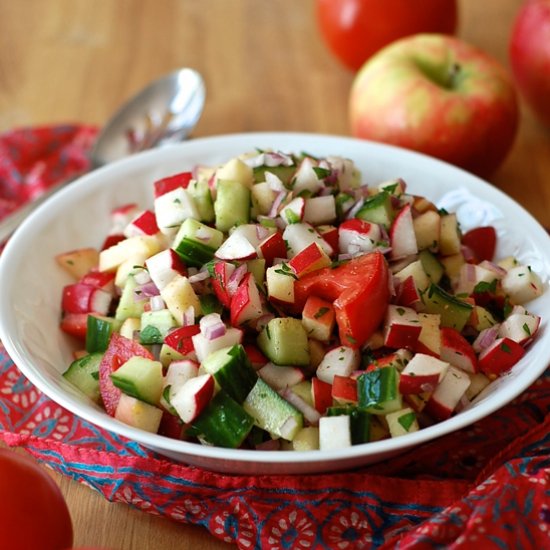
278, 302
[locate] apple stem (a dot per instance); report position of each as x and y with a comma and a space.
452, 77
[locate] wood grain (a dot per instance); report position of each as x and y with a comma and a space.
265, 68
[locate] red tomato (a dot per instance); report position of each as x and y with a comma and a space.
33, 512
359, 290
356, 29
482, 241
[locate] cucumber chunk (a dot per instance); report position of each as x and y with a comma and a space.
128, 306
432, 266
98, 332
273, 413
284, 341
223, 423
378, 391
377, 209
232, 206
141, 378
83, 373
359, 422
453, 311
232, 371
155, 325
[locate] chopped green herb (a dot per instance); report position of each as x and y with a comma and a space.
321, 312
407, 420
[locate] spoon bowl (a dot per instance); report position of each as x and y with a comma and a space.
165, 111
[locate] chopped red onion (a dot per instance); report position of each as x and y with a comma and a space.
262, 232
310, 414
200, 276
485, 338
354, 209
469, 272
148, 289
212, 326
274, 211
495, 268
468, 253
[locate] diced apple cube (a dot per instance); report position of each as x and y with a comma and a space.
427, 227
522, 284
448, 394
280, 283
401, 327
138, 414
173, 208
402, 422
78, 262
141, 247
179, 296
450, 242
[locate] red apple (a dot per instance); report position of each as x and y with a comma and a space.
440, 96
529, 53
355, 29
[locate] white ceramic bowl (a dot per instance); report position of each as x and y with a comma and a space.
31, 281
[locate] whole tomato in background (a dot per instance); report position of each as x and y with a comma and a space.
356, 29
33, 512
529, 53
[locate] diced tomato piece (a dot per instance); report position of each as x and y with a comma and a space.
482, 241
119, 351
359, 290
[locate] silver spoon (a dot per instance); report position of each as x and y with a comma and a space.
164, 112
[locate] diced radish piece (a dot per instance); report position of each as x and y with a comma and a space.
190, 400
305, 178
280, 284
342, 360
144, 223
204, 347
138, 414
280, 377
407, 293
334, 432
83, 298
111, 240
104, 281
75, 324
178, 344
164, 266
422, 374
398, 359
344, 389
457, 351
521, 284
78, 262
220, 282
318, 318
320, 210
321, 393
121, 217
293, 212
500, 357
329, 233
356, 236
255, 356
178, 373
401, 328
471, 275
236, 247
416, 271
429, 340
448, 394
165, 185
173, 208
300, 235
402, 236
519, 327
309, 259
246, 304
272, 247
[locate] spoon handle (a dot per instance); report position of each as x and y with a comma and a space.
12, 221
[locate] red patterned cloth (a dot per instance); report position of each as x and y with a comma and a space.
487, 486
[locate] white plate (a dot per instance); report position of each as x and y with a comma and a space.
31, 281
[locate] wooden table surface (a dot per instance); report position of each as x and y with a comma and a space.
265, 68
